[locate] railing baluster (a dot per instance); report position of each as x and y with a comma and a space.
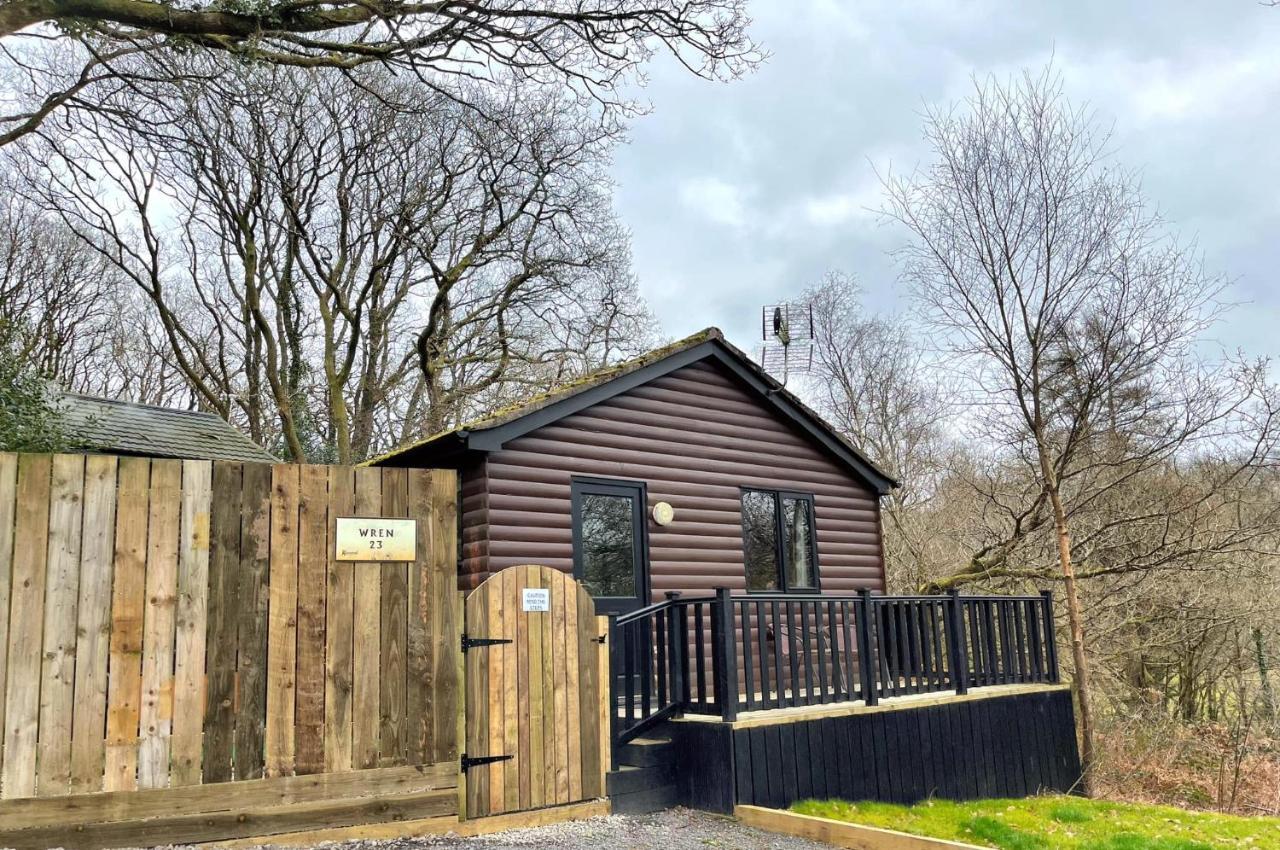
1020, 640
1037, 651
762, 644
993, 658
914, 648
616, 642
659, 634
939, 647
700, 648
819, 638
778, 700
806, 644
645, 645
631, 671
953, 617
747, 672
975, 644
833, 641
791, 654
1050, 636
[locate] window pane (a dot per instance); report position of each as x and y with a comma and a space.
797, 530
608, 545
760, 542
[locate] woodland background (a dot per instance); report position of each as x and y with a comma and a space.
342, 243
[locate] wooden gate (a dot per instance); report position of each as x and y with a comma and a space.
536, 725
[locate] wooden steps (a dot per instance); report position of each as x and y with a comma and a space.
646, 779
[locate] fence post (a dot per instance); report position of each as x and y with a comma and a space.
615, 669
1050, 636
956, 642
866, 650
725, 651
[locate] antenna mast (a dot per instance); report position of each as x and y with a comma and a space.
787, 332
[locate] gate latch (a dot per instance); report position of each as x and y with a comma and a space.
468, 641
469, 762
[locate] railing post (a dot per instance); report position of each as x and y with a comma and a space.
615, 668
725, 651
956, 643
866, 651
1050, 637
677, 650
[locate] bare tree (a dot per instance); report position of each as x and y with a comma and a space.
339, 270
594, 48
1077, 316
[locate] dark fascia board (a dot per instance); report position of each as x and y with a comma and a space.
493, 439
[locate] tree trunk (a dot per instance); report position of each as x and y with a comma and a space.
1075, 624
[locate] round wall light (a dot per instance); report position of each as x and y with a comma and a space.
663, 513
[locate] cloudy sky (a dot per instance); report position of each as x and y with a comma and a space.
741, 194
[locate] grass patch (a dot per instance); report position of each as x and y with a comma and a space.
1059, 823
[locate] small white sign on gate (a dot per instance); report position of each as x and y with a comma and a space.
535, 599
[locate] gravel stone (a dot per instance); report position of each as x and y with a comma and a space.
673, 829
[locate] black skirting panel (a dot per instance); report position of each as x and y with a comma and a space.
1008, 746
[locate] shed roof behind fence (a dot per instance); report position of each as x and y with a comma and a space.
122, 427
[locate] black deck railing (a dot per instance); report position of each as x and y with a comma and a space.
722, 654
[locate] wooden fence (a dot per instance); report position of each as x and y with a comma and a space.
170, 623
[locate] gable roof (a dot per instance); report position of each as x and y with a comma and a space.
128, 428
490, 432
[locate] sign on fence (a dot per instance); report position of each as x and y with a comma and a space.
376, 539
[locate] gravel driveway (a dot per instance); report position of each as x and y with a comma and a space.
675, 829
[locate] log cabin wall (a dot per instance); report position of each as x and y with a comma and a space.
695, 437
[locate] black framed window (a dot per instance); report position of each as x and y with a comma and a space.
779, 540
609, 537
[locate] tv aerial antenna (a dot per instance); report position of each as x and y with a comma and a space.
787, 331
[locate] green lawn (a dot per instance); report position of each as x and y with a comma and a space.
1050, 823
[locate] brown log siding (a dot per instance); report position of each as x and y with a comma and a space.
694, 437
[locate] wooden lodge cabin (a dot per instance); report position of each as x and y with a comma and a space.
735, 538
764, 494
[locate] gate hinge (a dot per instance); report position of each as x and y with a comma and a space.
468, 641
469, 762
600, 639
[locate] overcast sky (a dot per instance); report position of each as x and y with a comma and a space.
741, 194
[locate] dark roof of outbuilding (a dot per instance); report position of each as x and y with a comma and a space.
489, 432
123, 427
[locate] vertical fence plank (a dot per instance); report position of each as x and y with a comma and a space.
128, 596
191, 622
422, 614
156, 715
313, 531
57, 688
338, 627
573, 684
535, 625
524, 706
282, 622
26, 620
8, 505
510, 588
393, 680
589, 695
93, 624
251, 632
493, 622
220, 640
446, 631
367, 640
